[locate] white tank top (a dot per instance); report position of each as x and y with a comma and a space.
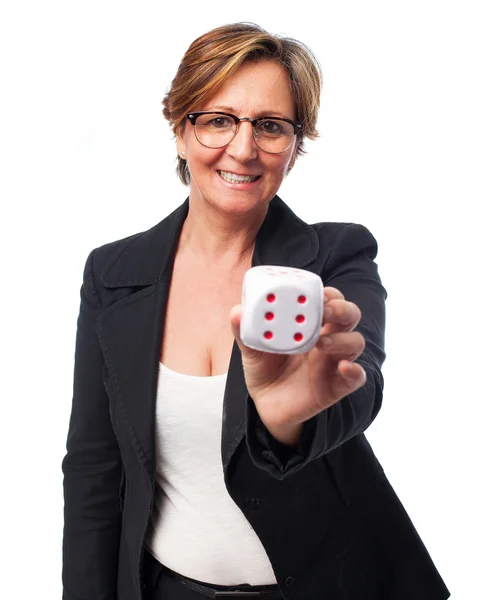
196, 528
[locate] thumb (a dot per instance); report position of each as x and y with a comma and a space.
235, 320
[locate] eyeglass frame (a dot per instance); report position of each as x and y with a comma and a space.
192, 117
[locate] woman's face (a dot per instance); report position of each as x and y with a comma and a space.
255, 90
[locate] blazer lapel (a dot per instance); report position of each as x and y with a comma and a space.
131, 329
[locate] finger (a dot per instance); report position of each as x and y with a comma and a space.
352, 372
344, 345
340, 315
235, 320
349, 377
332, 293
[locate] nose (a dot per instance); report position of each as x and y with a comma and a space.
243, 147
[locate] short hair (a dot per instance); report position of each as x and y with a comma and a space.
219, 53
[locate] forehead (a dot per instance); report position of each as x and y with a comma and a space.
257, 88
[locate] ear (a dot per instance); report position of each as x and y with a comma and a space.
180, 143
293, 157
181, 147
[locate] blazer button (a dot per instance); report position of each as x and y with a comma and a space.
254, 502
289, 581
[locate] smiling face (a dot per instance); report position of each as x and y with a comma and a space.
256, 89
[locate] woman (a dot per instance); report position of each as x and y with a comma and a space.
196, 466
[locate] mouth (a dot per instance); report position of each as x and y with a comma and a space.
236, 178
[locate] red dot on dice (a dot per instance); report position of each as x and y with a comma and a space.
270, 297
268, 335
301, 299
269, 316
298, 337
300, 319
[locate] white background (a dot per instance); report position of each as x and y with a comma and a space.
86, 158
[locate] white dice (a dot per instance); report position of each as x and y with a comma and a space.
282, 309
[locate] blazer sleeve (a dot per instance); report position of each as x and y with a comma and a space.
91, 468
350, 267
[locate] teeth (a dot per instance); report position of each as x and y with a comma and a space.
233, 178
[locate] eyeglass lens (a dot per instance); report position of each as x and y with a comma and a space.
216, 131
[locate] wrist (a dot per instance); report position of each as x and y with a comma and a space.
289, 435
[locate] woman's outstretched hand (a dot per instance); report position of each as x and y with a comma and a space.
288, 390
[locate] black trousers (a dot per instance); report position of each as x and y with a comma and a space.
162, 584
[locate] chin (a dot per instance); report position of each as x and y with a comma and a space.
239, 203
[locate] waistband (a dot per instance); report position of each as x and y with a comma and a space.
156, 570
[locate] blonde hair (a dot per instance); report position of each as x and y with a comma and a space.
219, 53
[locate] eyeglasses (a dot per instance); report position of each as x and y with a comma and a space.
218, 129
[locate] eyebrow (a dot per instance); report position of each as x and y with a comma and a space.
266, 113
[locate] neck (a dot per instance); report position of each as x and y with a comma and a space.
218, 239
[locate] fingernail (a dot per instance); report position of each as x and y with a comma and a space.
354, 376
363, 376
328, 312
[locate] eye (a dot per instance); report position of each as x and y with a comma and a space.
215, 122
220, 122
270, 127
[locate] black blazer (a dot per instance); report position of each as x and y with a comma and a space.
328, 518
